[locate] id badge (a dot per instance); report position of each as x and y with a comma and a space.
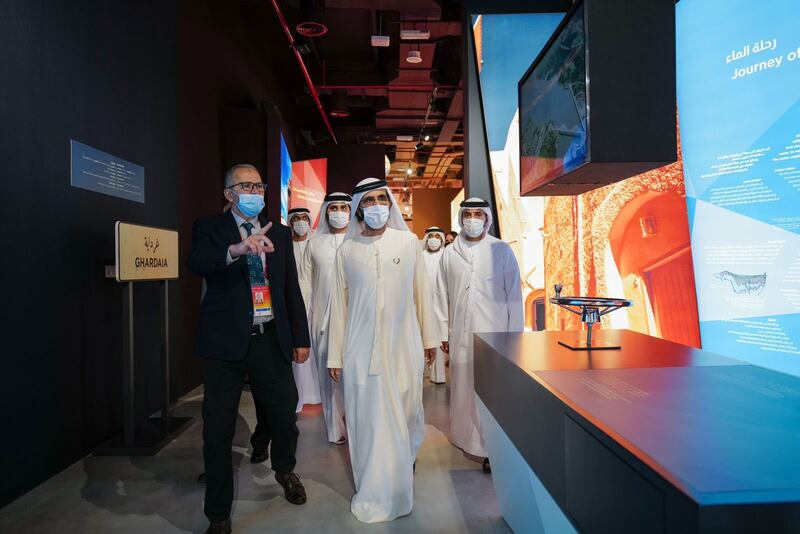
262, 301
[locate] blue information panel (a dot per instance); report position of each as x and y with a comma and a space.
739, 102
100, 172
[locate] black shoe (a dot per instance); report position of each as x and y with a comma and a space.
201, 479
259, 456
292, 487
219, 527
487, 467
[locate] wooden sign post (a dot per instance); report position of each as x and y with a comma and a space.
144, 254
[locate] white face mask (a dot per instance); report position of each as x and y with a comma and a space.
338, 219
300, 227
473, 227
376, 216
434, 243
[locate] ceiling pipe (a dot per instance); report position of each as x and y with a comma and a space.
306, 75
392, 87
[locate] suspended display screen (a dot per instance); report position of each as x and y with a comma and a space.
553, 113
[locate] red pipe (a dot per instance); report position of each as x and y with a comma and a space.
391, 87
306, 75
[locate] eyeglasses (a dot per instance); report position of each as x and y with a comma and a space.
249, 187
371, 201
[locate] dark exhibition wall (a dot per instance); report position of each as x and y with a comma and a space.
62, 329
155, 94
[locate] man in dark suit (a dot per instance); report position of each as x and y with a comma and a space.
252, 321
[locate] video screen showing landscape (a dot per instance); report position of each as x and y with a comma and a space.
553, 109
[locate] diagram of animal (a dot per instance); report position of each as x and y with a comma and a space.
747, 284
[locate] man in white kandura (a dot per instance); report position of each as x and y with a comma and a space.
382, 334
315, 278
305, 374
433, 245
477, 290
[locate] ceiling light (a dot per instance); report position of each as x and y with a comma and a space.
415, 35
380, 40
339, 107
414, 56
427, 137
419, 146
312, 12
409, 171
311, 29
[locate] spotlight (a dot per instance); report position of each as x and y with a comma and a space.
414, 56
427, 137
419, 146
409, 171
339, 106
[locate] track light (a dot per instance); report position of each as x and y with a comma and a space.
427, 138
419, 146
339, 106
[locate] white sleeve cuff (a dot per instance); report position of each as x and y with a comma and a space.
228, 258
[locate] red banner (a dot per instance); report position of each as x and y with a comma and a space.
309, 182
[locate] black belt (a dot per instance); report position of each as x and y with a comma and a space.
262, 328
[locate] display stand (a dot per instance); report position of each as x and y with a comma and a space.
591, 309
153, 434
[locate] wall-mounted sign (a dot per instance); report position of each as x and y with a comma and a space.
145, 253
100, 172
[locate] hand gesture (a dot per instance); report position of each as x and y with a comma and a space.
257, 243
301, 354
335, 373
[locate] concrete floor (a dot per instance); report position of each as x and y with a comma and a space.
159, 493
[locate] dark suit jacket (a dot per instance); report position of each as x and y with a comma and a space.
226, 313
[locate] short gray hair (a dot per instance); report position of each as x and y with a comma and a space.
232, 171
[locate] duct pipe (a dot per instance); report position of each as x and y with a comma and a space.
306, 75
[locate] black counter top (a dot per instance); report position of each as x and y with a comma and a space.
666, 437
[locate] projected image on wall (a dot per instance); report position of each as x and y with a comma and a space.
286, 180
629, 239
309, 183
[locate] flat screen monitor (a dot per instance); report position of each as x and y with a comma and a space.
553, 106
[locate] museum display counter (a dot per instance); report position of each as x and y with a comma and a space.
654, 437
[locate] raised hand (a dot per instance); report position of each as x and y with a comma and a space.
257, 243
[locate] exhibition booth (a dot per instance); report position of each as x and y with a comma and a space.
671, 236
641, 159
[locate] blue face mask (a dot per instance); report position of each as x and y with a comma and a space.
250, 205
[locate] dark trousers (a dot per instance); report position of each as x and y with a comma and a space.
274, 390
261, 435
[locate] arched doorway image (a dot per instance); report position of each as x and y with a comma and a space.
649, 243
